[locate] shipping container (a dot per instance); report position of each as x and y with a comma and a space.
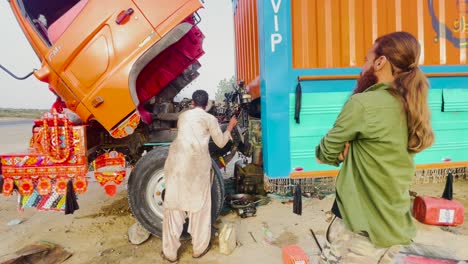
321, 44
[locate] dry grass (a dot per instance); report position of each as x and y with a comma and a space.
21, 113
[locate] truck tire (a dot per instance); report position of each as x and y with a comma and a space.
146, 191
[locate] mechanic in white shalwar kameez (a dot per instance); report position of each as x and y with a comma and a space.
187, 174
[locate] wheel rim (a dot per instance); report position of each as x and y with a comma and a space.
154, 193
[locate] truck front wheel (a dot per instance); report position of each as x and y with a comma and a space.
146, 191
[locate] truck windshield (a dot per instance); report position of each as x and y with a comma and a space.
43, 14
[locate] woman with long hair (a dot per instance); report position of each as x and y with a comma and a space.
379, 130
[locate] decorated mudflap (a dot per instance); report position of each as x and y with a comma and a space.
110, 171
50, 174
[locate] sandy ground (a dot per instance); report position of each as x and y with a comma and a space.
97, 233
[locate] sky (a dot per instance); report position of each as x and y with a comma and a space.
17, 55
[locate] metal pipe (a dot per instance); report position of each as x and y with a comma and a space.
316, 240
14, 76
157, 144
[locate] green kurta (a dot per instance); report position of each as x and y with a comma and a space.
373, 183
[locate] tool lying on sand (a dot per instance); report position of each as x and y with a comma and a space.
316, 240
255, 240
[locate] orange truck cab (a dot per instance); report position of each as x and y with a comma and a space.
107, 58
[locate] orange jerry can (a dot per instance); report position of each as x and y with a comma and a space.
294, 255
438, 211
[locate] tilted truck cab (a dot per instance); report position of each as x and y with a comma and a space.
93, 52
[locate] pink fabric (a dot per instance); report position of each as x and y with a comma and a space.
145, 115
60, 25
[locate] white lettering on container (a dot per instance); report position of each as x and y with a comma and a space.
276, 37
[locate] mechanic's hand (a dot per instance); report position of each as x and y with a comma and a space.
232, 123
343, 154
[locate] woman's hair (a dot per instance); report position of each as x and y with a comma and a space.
402, 50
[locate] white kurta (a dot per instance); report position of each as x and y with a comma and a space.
188, 182
188, 165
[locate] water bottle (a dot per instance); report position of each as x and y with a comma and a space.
267, 235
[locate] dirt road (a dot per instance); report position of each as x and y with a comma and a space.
97, 233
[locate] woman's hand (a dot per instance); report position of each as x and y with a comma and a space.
343, 154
